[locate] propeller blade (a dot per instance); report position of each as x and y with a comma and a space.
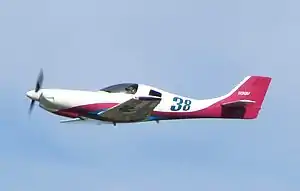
39, 81
38, 86
31, 106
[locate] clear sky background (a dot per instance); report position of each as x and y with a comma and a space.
198, 49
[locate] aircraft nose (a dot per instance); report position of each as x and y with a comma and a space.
32, 95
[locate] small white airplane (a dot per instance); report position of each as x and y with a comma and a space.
132, 102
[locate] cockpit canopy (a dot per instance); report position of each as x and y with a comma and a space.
129, 88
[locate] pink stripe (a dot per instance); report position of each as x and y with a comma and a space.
74, 112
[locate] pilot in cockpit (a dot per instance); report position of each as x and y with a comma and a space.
130, 90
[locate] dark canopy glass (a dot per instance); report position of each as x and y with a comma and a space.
128, 88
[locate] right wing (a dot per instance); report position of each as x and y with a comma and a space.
133, 110
78, 119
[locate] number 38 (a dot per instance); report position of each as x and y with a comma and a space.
180, 104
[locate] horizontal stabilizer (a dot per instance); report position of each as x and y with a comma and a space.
238, 103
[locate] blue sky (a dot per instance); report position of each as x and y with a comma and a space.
194, 48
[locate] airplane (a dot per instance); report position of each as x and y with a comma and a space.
135, 102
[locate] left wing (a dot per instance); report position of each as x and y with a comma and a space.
133, 110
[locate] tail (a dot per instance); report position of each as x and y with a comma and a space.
246, 99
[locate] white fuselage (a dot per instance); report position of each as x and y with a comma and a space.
242, 102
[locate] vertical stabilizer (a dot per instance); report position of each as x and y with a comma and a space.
246, 98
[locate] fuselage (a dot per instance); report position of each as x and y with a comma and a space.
244, 101
79, 103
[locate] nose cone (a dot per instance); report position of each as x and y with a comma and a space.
33, 95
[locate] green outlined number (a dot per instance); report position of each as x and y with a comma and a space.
180, 104
187, 105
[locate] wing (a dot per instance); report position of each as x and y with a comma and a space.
133, 110
73, 120
81, 120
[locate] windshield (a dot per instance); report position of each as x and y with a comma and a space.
128, 88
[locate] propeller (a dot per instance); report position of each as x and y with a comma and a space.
38, 86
